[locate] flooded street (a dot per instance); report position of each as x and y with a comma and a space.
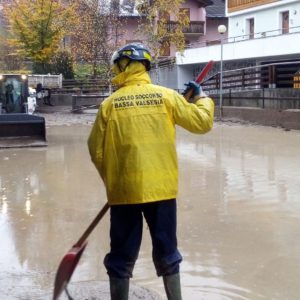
238, 214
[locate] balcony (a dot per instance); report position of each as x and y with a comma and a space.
236, 5
195, 27
264, 45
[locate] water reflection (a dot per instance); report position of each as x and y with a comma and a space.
239, 192
238, 214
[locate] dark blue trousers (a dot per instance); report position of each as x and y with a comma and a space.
126, 227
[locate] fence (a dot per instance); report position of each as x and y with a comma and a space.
237, 84
49, 81
83, 86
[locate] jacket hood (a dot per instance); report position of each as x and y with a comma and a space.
135, 73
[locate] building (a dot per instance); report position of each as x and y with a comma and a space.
195, 33
204, 16
215, 16
3, 23
259, 32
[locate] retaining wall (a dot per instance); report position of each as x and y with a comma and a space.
276, 98
289, 118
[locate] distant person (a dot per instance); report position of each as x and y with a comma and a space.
133, 147
47, 96
9, 93
38, 91
43, 94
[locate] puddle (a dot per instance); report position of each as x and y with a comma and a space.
238, 214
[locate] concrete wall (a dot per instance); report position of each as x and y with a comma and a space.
166, 76
289, 119
282, 107
61, 99
268, 98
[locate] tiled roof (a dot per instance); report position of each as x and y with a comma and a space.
217, 10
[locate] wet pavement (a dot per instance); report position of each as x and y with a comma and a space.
238, 215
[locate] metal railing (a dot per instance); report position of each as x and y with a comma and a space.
281, 74
246, 37
237, 83
196, 27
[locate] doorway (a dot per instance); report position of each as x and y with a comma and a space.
285, 22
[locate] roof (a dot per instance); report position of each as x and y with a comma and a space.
204, 3
129, 7
217, 10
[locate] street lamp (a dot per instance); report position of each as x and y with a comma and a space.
221, 29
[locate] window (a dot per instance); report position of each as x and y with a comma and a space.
285, 21
250, 28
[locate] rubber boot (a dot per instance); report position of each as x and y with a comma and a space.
172, 286
119, 288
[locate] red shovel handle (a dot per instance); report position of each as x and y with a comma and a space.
200, 78
205, 71
88, 231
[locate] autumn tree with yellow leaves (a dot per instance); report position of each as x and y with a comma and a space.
98, 34
37, 27
156, 27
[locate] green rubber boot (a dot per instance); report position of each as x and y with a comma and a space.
119, 288
172, 286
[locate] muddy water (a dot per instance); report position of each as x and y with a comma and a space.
238, 215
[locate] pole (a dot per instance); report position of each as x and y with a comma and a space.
221, 79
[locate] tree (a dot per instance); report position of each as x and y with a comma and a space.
62, 63
97, 34
37, 27
9, 61
155, 24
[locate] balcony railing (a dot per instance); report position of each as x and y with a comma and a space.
195, 27
236, 5
245, 37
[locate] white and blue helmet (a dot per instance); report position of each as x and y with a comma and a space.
133, 51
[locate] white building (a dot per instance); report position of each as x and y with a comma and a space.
259, 31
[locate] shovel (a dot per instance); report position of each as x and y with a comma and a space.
71, 259
200, 78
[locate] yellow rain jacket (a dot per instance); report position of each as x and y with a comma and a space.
132, 142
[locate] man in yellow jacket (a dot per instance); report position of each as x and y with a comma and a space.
132, 145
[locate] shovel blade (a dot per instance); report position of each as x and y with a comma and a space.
66, 269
